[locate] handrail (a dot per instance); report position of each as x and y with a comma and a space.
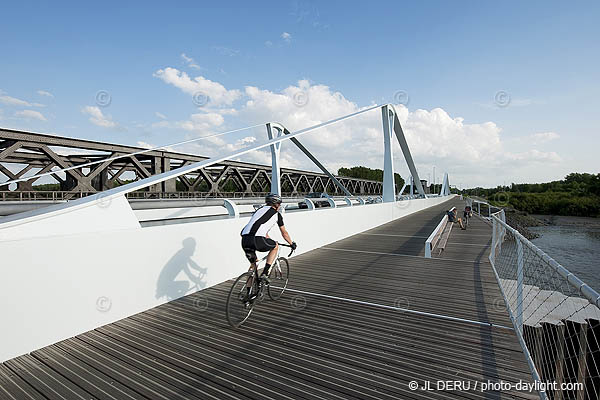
107, 196
586, 291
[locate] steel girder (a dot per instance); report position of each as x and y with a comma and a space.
25, 152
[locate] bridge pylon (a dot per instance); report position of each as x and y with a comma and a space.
391, 124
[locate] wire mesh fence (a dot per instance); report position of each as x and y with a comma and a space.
556, 315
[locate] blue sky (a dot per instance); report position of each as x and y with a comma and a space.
444, 55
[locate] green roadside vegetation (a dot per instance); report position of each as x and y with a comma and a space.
368, 173
576, 195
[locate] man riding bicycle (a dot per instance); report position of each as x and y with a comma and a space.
255, 235
467, 212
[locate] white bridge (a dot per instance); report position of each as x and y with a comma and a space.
106, 298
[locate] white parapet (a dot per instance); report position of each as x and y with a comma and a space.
63, 284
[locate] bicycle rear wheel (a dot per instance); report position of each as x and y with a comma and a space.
238, 307
279, 276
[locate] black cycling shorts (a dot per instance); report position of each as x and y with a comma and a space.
251, 244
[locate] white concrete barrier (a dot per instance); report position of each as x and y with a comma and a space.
55, 287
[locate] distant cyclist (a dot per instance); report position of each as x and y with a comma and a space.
468, 212
466, 215
255, 235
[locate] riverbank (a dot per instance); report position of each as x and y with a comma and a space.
522, 221
567, 220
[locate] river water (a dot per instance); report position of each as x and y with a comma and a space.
574, 244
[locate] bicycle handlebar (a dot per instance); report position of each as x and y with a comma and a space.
287, 245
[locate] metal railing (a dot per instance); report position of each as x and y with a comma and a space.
555, 314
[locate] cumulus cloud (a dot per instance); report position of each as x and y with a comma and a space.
217, 94
45, 93
160, 115
286, 36
98, 118
31, 114
474, 153
202, 122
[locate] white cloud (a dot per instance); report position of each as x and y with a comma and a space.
268, 43
535, 156
160, 115
544, 137
202, 122
473, 153
190, 61
98, 118
45, 93
30, 114
217, 94
286, 36
145, 145
13, 101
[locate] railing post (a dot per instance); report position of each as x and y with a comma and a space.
232, 208
275, 170
389, 189
519, 285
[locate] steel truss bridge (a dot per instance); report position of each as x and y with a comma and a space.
25, 152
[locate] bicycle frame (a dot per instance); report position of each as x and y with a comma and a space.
254, 267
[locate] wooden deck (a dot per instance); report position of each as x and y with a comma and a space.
363, 317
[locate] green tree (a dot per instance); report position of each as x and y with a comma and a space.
361, 172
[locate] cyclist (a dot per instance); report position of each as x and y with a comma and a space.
467, 212
255, 235
466, 215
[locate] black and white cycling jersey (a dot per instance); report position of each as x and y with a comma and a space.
262, 221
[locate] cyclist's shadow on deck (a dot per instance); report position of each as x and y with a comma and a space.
174, 279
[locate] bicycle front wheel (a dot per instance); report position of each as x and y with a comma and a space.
279, 276
238, 306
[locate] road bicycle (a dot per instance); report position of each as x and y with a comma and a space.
248, 290
465, 220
